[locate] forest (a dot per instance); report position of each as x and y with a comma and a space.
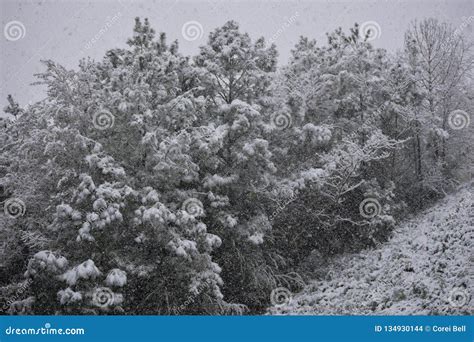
154, 183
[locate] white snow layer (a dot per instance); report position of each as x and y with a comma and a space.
424, 269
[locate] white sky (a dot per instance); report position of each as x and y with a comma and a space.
60, 29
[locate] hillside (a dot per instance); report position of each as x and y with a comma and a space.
425, 269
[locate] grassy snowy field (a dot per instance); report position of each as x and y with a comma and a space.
425, 269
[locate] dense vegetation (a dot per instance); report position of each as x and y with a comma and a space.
155, 183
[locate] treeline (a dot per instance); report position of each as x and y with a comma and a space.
155, 183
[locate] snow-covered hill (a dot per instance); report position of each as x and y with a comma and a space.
425, 269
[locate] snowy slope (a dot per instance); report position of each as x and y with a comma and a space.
425, 269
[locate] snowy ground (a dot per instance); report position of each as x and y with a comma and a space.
425, 269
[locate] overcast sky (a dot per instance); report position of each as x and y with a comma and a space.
64, 30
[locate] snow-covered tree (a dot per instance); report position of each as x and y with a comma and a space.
90, 164
440, 59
